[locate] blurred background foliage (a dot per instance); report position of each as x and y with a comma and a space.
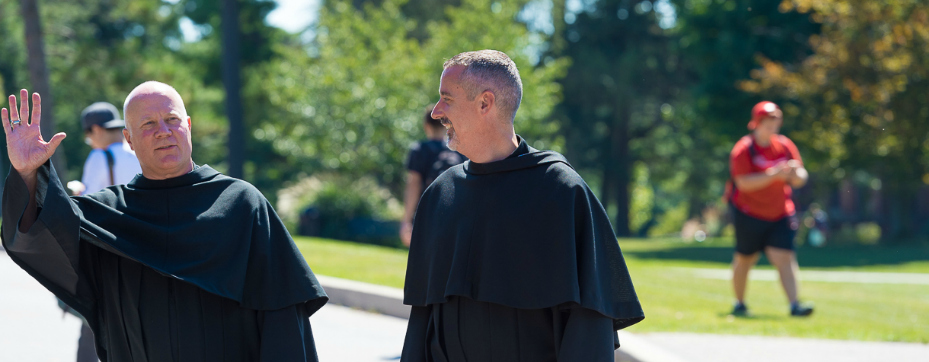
861, 97
645, 98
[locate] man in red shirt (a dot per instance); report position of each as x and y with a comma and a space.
764, 166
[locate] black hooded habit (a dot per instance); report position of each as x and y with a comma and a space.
193, 268
515, 260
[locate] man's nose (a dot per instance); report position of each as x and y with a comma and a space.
162, 130
436, 112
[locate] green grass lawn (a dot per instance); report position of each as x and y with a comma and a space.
676, 301
361, 262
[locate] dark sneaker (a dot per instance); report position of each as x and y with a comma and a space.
801, 310
740, 310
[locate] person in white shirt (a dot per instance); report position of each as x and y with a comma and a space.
112, 161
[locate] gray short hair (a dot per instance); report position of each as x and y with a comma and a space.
494, 71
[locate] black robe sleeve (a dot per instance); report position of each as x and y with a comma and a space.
286, 335
53, 261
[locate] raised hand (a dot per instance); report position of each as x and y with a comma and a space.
24, 142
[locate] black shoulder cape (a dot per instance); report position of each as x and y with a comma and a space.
525, 232
214, 231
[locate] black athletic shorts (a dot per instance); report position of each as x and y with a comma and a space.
753, 235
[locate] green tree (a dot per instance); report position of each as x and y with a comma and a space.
860, 99
11, 59
421, 12
38, 72
98, 50
622, 73
654, 85
352, 102
232, 82
260, 45
721, 43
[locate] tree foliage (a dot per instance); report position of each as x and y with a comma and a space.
721, 43
353, 102
98, 50
256, 47
654, 86
860, 100
644, 97
622, 73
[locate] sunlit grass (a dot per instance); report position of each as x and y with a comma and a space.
676, 301
361, 262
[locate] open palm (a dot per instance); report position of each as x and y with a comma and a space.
27, 150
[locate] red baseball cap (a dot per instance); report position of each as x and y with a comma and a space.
764, 109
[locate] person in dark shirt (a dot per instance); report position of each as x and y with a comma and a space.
512, 256
426, 160
182, 264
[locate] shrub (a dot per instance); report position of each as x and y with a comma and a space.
342, 208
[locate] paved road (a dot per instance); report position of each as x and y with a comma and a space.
692, 347
32, 328
344, 334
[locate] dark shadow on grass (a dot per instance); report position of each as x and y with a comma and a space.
827, 257
751, 317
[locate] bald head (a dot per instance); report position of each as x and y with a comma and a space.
152, 88
158, 130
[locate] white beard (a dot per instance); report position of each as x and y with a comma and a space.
451, 139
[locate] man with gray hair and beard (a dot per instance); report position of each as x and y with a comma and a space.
513, 258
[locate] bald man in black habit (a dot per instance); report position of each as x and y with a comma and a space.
182, 264
512, 256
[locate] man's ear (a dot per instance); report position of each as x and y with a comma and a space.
188, 123
488, 101
128, 139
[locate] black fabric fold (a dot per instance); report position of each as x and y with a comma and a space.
524, 232
234, 246
463, 329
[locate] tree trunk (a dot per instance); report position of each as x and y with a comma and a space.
38, 75
558, 43
899, 226
620, 164
233, 84
7, 80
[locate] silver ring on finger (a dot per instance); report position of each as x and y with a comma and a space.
16, 122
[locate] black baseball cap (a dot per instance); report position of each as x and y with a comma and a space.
102, 114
